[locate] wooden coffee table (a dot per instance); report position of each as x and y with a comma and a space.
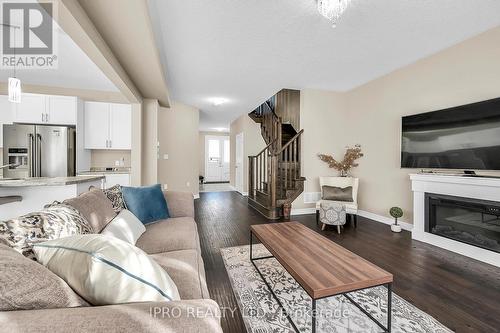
321, 267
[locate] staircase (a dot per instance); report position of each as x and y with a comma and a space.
274, 174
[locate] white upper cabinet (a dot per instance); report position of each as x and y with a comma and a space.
108, 126
96, 125
120, 129
31, 109
6, 114
46, 109
61, 110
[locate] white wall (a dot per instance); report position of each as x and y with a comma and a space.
371, 115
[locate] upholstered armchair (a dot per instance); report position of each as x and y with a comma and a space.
341, 182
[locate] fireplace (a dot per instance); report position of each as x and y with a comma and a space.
471, 221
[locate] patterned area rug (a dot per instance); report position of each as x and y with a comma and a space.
262, 313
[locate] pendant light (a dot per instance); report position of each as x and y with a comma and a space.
14, 84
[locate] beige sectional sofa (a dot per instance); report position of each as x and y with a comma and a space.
174, 244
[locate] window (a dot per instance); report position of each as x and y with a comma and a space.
226, 151
213, 150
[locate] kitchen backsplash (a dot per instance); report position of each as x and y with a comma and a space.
108, 158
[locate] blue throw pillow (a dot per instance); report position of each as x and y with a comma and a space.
147, 203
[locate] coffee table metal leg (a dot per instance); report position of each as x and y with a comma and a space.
389, 306
313, 316
251, 241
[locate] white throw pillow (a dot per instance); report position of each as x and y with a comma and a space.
126, 227
106, 270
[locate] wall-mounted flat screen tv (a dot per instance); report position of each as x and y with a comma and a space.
464, 137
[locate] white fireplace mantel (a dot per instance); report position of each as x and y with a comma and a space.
459, 186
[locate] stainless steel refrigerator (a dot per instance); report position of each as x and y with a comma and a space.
39, 151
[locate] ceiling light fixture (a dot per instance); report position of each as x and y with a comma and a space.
333, 9
14, 84
216, 101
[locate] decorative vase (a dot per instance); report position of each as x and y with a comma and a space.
395, 228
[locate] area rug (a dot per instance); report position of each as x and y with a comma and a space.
262, 314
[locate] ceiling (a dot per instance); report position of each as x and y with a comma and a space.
246, 50
75, 69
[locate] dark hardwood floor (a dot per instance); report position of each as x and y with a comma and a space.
460, 292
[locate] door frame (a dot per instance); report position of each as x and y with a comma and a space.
242, 189
208, 137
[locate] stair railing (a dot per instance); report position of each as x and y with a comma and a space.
288, 164
271, 126
259, 169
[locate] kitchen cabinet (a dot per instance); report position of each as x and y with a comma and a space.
108, 126
6, 115
96, 117
46, 110
61, 110
113, 179
120, 129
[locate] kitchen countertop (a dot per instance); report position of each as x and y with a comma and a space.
101, 171
46, 181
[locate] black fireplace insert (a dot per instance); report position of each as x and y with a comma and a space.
471, 221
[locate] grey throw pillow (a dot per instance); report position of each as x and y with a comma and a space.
95, 206
26, 285
335, 193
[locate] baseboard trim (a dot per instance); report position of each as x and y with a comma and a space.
303, 211
372, 216
385, 220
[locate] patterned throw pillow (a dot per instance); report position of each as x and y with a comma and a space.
115, 195
54, 221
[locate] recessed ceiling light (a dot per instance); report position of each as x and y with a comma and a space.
216, 101
220, 129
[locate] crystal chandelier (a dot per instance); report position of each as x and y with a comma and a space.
332, 9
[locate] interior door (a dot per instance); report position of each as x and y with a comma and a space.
217, 150
239, 163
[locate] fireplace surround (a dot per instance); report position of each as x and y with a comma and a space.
458, 213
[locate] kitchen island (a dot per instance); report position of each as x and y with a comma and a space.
37, 192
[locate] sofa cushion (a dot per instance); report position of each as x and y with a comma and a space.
95, 207
25, 285
125, 226
179, 233
147, 203
55, 221
115, 195
106, 270
186, 269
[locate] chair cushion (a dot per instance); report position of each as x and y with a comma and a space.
95, 207
179, 233
350, 207
335, 193
147, 203
27, 285
54, 221
106, 270
125, 226
186, 269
